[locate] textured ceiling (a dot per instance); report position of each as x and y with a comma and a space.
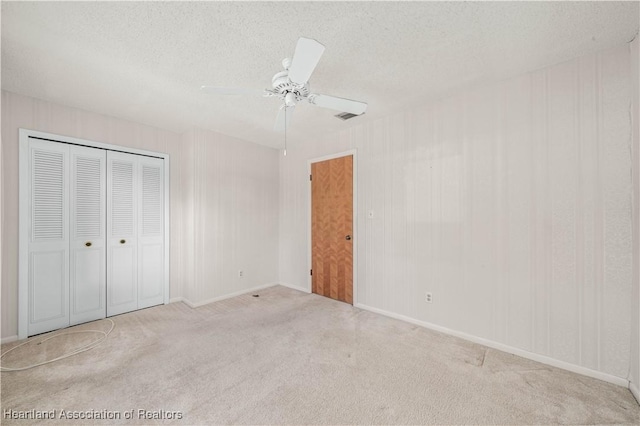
145, 61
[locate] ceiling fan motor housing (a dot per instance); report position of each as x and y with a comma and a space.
287, 90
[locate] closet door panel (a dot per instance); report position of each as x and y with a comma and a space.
151, 233
48, 245
151, 275
122, 282
122, 191
48, 290
87, 285
88, 229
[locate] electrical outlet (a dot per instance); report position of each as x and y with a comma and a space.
428, 297
240, 273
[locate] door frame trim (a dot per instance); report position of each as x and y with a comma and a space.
23, 205
354, 174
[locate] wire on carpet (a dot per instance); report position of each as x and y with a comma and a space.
81, 349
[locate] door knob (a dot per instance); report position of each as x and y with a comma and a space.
348, 238
123, 241
88, 244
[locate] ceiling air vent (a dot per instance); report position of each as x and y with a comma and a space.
344, 116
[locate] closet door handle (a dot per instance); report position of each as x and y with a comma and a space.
123, 241
88, 244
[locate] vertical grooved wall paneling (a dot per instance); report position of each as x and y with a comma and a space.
234, 215
511, 203
634, 371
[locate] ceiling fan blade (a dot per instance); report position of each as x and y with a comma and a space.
280, 119
231, 90
306, 57
338, 104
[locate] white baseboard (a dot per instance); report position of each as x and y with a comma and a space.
295, 287
506, 348
9, 339
226, 296
635, 391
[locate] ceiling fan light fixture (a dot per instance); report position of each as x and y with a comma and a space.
290, 99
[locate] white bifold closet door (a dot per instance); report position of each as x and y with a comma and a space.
66, 264
95, 234
87, 256
135, 229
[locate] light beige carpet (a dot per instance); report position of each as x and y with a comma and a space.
288, 357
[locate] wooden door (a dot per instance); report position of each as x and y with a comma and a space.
332, 228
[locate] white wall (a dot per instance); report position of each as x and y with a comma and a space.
232, 192
511, 203
634, 371
202, 200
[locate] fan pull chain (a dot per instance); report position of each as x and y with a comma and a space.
285, 130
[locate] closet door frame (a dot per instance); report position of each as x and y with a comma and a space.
23, 227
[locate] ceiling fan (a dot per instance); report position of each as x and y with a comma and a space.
292, 86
